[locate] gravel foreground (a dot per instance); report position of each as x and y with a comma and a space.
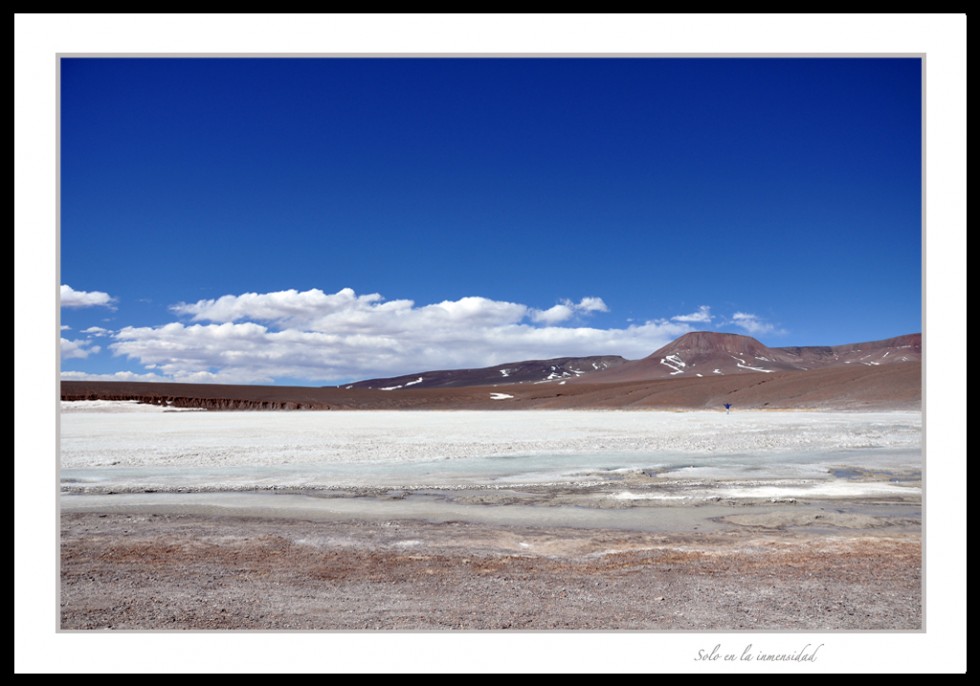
198, 572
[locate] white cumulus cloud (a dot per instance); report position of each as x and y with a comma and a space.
752, 324
702, 316
553, 315
96, 331
289, 306
72, 298
335, 338
566, 309
116, 376
77, 349
592, 304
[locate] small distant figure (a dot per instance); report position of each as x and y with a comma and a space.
728, 408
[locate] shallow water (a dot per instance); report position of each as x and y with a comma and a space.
428, 507
855, 473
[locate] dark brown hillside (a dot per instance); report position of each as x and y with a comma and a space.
849, 387
531, 371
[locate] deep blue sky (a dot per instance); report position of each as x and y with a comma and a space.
782, 194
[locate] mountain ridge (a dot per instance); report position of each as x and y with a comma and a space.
527, 371
694, 354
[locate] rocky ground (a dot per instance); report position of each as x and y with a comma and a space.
164, 571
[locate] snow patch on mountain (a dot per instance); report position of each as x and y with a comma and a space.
675, 363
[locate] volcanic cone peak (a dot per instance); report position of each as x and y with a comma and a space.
701, 354
709, 343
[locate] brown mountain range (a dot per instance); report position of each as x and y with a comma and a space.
706, 353
876, 375
530, 371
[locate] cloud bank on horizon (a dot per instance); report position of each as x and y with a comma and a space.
317, 337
